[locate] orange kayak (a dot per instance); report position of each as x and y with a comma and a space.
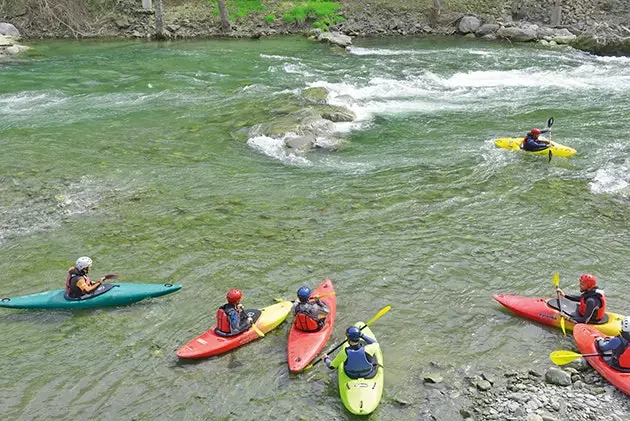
303, 347
585, 337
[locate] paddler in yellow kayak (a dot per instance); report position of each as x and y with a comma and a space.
531, 142
592, 303
357, 363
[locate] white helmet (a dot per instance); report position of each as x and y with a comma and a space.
83, 263
625, 324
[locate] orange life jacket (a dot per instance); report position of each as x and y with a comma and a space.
600, 312
305, 323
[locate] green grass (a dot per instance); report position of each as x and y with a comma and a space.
323, 13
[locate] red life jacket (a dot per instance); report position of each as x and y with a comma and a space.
223, 321
305, 323
600, 312
624, 359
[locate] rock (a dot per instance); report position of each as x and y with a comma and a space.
336, 114
487, 28
9, 30
489, 37
12, 50
465, 413
469, 24
315, 95
545, 31
483, 385
557, 376
433, 378
335, 38
517, 34
6, 41
564, 39
534, 417
470, 35
300, 143
548, 418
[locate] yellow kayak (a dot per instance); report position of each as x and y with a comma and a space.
514, 143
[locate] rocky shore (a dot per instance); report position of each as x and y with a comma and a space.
9, 35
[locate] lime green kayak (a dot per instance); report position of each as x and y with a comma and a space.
362, 396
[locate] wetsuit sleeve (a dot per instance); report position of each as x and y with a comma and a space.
340, 358
572, 297
610, 344
85, 287
323, 308
367, 339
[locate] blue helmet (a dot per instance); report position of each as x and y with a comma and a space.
304, 294
353, 333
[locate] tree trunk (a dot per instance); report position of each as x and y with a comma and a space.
159, 20
435, 13
556, 13
225, 20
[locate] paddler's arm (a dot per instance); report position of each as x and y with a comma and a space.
367, 339
339, 359
608, 344
86, 287
591, 307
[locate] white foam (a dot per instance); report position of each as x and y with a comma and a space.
613, 179
275, 148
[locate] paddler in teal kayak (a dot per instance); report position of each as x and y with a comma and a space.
592, 303
78, 283
532, 143
232, 318
310, 313
357, 363
618, 345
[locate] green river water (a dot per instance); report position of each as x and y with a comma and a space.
137, 155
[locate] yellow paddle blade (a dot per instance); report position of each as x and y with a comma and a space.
379, 314
258, 331
563, 357
564, 330
326, 294
556, 279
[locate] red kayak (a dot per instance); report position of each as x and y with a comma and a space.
209, 343
303, 346
585, 336
545, 310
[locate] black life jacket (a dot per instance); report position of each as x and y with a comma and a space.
74, 275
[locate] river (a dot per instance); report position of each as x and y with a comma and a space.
136, 154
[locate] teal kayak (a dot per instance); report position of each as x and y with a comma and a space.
106, 295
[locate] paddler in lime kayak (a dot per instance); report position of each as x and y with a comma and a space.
232, 318
78, 284
619, 346
592, 307
310, 313
532, 143
357, 363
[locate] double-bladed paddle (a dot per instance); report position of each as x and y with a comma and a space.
378, 315
563, 357
556, 283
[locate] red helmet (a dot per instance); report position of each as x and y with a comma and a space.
587, 281
234, 296
535, 131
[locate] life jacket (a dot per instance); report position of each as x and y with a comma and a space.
622, 352
601, 311
74, 275
224, 328
357, 363
305, 323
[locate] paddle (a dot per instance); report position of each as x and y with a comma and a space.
563, 357
110, 276
556, 283
326, 294
258, 331
378, 315
549, 124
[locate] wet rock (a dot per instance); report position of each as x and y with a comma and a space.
9, 30
534, 417
558, 377
300, 143
487, 28
315, 95
465, 413
433, 378
335, 38
483, 385
336, 113
514, 33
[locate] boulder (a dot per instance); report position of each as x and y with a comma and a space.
335, 38
469, 24
564, 39
315, 95
487, 28
5, 41
517, 34
9, 30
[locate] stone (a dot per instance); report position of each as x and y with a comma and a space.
9, 30
465, 413
517, 34
300, 143
487, 28
469, 24
5, 41
546, 417
483, 385
433, 378
315, 95
557, 376
335, 38
534, 417
564, 39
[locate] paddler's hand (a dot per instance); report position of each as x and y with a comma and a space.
101, 279
560, 292
250, 320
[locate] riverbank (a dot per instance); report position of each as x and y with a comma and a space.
601, 29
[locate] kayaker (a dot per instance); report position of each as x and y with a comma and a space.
232, 318
532, 143
619, 345
357, 363
592, 307
310, 312
78, 283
